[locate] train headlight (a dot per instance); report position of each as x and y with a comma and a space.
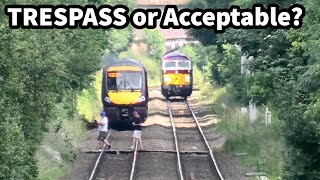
187, 78
166, 78
141, 99
107, 99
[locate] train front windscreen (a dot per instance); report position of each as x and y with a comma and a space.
124, 80
176, 64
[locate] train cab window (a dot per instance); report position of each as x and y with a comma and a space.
115, 80
183, 64
170, 64
133, 80
125, 80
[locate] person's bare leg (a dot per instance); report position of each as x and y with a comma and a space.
106, 142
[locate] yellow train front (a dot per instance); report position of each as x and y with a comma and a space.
124, 90
177, 75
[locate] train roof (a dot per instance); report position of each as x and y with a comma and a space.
125, 62
176, 55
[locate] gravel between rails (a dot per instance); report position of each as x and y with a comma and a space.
197, 166
156, 166
115, 167
189, 138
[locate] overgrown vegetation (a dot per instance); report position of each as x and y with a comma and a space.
59, 145
155, 42
284, 74
89, 100
260, 145
39, 71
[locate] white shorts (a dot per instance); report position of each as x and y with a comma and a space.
137, 134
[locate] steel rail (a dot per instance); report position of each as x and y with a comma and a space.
204, 138
135, 155
97, 164
176, 142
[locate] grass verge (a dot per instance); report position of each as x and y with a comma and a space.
262, 144
89, 102
59, 146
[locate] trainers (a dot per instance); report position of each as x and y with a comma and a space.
132, 147
100, 149
109, 146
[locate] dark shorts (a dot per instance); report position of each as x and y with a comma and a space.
102, 135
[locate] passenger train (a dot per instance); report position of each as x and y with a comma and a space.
124, 90
177, 75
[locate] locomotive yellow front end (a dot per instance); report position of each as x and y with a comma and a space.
124, 90
177, 77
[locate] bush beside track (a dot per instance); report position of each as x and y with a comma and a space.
264, 150
59, 146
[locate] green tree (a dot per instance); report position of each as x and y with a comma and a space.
38, 69
155, 42
284, 74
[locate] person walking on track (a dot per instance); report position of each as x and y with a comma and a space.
103, 129
137, 129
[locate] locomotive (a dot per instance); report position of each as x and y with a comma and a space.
177, 75
124, 90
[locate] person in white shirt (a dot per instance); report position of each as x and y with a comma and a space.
137, 130
103, 128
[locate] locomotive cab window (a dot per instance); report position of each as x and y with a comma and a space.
124, 80
177, 64
170, 64
184, 64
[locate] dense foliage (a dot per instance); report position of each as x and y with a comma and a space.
38, 69
155, 42
284, 73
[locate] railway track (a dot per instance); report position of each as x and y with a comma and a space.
191, 154
96, 169
159, 157
188, 139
